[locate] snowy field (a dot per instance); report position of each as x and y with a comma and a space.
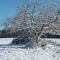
50, 52
5, 40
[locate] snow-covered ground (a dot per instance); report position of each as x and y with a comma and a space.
5, 40
57, 41
50, 52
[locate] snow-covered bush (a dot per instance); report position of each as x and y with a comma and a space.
20, 40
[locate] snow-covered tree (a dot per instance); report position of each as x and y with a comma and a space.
36, 19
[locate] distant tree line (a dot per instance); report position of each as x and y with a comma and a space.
7, 34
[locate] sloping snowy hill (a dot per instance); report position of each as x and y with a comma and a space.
50, 52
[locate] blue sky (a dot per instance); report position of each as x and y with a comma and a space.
8, 8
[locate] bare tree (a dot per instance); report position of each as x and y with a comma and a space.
37, 20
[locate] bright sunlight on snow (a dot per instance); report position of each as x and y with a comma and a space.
50, 52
